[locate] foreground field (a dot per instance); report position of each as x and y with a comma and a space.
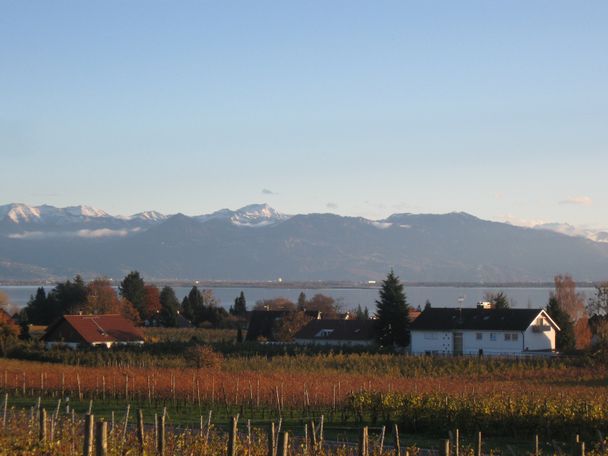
504, 399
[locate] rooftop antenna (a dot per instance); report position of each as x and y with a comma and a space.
460, 301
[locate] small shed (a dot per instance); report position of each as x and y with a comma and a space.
92, 330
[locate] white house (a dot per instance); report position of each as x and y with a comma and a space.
481, 330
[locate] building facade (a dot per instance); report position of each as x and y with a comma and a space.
447, 331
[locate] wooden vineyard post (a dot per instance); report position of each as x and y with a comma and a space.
208, 428
232, 432
283, 443
271, 440
321, 432
248, 437
581, 448
4, 411
445, 448
140, 430
363, 449
397, 443
536, 446
478, 445
313, 437
457, 442
381, 443
42, 426
87, 448
101, 438
160, 435
155, 429
124, 431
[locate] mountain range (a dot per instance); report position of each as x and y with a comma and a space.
258, 243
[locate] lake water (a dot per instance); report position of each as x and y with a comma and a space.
350, 298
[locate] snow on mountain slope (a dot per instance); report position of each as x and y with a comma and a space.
21, 213
253, 215
597, 235
18, 213
151, 216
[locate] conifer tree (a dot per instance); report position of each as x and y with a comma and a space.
392, 311
132, 288
168, 307
240, 305
302, 301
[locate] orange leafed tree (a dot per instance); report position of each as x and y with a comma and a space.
102, 299
151, 302
573, 304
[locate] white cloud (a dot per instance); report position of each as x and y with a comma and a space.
382, 225
331, 206
577, 201
266, 191
89, 234
104, 232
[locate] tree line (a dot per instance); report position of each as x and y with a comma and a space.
141, 302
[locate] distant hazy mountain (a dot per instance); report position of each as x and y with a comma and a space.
258, 243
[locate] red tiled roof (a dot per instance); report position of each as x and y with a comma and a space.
6, 318
101, 328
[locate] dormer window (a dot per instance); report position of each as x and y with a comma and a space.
324, 333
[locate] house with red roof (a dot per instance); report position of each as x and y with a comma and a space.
92, 330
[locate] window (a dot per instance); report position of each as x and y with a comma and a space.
514, 336
507, 336
479, 336
324, 333
430, 336
493, 336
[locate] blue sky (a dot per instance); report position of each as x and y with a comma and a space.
496, 108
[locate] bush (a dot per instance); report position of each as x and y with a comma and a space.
200, 356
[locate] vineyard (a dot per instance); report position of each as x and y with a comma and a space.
508, 401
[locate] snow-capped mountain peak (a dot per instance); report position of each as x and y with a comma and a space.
250, 216
256, 214
84, 211
18, 213
150, 216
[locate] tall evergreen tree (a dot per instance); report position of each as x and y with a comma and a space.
564, 339
302, 303
392, 312
67, 297
240, 305
192, 305
37, 312
168, 307
132, 288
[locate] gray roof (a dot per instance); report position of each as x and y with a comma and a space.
437, 319
348, 330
